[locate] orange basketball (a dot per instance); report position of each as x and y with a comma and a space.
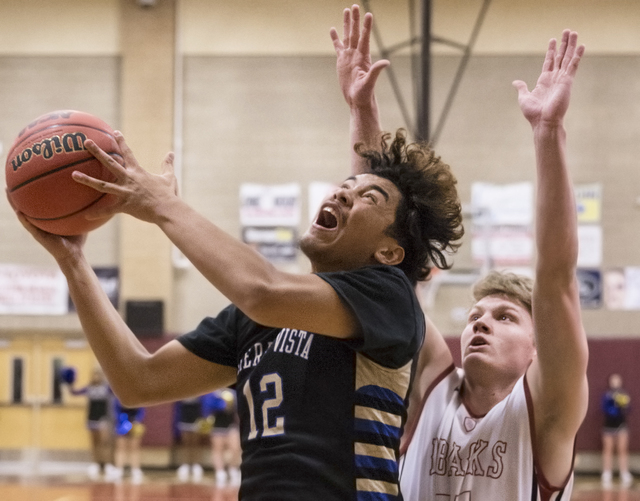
39, 166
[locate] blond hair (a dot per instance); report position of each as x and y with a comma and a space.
517, 288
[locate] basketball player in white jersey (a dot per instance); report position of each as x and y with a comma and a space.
503, 426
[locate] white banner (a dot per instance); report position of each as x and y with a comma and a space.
503, 204
589, 245
270, 205
32, 290
504, 245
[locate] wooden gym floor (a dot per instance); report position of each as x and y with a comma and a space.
162, 485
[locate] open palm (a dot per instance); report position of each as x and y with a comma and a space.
549, 100
356, 74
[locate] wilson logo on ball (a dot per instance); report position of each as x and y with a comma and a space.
40, 165
47, 148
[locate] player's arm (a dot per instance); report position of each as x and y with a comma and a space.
77, 391
434, 358
557, 377
357, 77
135, 376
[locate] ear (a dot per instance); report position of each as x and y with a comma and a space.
391, 254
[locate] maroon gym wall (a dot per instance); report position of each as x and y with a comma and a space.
606, 356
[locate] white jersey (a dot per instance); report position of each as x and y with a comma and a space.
455, 456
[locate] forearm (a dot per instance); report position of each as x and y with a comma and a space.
118, 351
239, 272
561, 341
556, 218
364, 128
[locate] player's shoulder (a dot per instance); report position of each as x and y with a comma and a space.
377, 276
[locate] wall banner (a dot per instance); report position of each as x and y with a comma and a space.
32, 290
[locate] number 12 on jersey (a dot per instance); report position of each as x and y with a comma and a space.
275, 380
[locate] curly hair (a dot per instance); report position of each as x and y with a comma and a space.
428, 222
517, 288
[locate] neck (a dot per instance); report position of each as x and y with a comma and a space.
479, 396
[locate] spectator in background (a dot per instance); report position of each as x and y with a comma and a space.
615, 289
226, 453
189, 421
615, 405
129, 431
99, 418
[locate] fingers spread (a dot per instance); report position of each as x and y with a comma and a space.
96, 184
346, 26
129, 159
375, 71
521, 87
550, 56
575, 61
337, 44
167, 163
563, 48
366, 33
570, 50
354, 37
104, 158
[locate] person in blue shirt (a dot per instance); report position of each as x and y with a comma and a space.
615, 434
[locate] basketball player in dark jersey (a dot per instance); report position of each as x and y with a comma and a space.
322, 361
501, 407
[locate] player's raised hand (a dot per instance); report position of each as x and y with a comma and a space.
356, 74
549, 100
139, 193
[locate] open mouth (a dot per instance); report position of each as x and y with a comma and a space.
327, 218
478, 341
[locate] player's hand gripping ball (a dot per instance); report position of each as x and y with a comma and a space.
39, 166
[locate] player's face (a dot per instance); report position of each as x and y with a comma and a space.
498, 337
349, 229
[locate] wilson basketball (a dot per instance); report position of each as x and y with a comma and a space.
39, 166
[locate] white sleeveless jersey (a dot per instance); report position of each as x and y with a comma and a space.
454, 456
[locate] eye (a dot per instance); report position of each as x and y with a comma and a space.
371, 196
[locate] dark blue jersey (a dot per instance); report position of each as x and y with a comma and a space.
321, 417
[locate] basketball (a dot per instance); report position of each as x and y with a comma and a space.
39, 166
